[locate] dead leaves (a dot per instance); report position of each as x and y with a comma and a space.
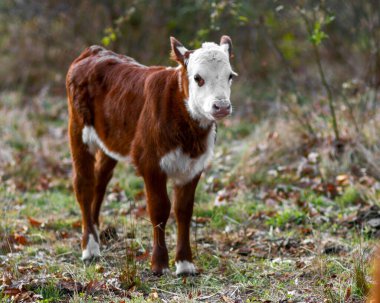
27, 291
35, 223
13, 243
108, 234
17, 291
19, 238
69, 286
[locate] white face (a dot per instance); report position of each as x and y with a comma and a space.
210, 77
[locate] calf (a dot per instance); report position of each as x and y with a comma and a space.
161, 119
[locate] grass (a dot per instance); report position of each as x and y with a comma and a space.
49, 293
267, 242
286, 218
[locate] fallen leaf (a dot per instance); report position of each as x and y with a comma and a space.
140, 195
348, 294
244, 251
94, 286
342, 179
70, 286
144, 256
77, 224
20, 239
7, 278
227, 299
140, 211
34, 222
11, 291
108, 234
201, 220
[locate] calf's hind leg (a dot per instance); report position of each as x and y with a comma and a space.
104, 166
84, 186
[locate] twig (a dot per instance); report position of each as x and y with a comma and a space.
165, 291
208, 297
289, 72
321, 73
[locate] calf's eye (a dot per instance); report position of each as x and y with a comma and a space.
230, 77
199, 80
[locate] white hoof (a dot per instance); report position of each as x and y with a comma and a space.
92, 250
185, 268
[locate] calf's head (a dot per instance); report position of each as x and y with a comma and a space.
209, 74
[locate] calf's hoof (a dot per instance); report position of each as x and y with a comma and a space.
161, 271
185, 268
92, 250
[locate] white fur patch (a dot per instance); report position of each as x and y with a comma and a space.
181, 167
185, 267
182, 50
91, 138
210, 62
92, 249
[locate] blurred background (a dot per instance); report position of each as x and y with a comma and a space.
39, 39
312, 62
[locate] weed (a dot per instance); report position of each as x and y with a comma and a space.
91, 273
61, 249
350, 196
282, 219
82, 298
360, 272
49, 292
208, 262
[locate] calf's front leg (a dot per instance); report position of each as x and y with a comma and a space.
183, 208
159, 211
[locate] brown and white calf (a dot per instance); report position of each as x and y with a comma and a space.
160, 119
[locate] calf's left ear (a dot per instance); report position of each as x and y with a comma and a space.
179, 53
226, 43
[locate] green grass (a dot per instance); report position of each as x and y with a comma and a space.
49, 292
289, 216
349, 197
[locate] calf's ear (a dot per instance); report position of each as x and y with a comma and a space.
179, 53
226, 44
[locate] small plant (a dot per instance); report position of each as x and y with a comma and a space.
128, 274
316, 34
4, 298
361, 285
350, 196
49, 292
283, 219
82, 298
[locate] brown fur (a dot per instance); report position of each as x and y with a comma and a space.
137, 111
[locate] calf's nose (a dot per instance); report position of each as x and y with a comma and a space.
221, 108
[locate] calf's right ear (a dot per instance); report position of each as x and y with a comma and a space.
179, 53
226, 43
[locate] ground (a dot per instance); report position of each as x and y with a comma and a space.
271, 223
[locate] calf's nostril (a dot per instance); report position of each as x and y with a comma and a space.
216, 107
